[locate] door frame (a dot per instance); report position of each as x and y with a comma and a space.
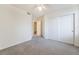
73, 29
38, 19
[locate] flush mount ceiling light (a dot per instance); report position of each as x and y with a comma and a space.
41, 7
39, 10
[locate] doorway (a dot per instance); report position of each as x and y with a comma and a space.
37, 27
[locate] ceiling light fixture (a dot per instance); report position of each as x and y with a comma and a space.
41, 7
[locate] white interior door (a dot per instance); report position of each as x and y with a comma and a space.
65, 24
60, 28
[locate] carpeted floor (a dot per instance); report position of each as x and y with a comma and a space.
40, 46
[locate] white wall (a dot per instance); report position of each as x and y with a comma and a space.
15, 26
48, 33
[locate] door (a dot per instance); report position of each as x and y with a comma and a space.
65, 24
61, 28
35, 28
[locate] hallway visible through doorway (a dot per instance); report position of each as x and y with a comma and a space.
37, 27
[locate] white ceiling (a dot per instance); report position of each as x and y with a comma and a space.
49, 7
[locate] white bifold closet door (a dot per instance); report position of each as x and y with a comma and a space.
65, 28
61, 28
